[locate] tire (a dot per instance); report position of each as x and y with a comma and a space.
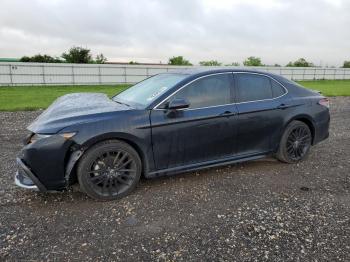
295, 142
109, 170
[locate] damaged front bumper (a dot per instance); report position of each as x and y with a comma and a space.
26, 179
42, 164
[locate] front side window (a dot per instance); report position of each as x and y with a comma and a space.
145, 92
250, 87
208, 91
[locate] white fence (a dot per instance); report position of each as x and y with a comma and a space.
92, 74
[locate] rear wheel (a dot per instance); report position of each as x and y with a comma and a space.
295, 142
109, 170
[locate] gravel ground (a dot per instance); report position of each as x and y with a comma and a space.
255, 211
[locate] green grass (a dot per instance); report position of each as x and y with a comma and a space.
18, 98
329, 87
36, 97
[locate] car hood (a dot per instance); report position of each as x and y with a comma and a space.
72, 109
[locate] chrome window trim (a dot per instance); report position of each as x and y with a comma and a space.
155, 108
234, 103
267, 99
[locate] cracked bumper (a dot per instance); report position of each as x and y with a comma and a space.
25, 178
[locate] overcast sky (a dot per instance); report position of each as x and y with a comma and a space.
154, 30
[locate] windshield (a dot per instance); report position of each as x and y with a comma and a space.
145, 92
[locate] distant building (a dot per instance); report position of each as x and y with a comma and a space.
4, 59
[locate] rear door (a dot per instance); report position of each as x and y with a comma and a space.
260, 118
205, 131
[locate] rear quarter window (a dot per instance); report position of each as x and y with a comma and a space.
277, 89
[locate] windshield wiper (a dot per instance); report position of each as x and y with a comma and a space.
121, 103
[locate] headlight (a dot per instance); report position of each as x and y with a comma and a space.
67, 135
37, 137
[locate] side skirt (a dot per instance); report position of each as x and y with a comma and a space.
204, 165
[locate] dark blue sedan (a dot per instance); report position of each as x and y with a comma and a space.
166, 124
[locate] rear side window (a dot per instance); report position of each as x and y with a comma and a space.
250, 87
208, 91
277, 89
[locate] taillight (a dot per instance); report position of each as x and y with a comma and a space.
324, 102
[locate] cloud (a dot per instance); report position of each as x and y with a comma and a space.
154, 30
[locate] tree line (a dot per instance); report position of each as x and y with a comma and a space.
250, 61
83, 56
75, 54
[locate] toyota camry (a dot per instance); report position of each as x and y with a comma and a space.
169, 123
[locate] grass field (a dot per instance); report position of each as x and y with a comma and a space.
37, 97
329, 87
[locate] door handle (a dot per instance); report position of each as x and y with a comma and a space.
227, 113
282, 106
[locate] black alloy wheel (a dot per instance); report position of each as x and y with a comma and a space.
295, 143
298, 143
109, 170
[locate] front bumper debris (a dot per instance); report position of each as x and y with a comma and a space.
26, 179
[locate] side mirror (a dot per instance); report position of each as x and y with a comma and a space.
178, 103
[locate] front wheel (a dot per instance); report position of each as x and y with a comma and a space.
295, 142
109, 170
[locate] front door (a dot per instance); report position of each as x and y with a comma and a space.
205, 131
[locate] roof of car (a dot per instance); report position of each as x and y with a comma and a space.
196, 71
